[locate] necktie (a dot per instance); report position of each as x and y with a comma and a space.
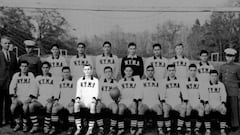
8, 57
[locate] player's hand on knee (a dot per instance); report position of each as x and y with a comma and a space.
207, 107
77, 100
223, 108
28, 101
50, 100
94, 100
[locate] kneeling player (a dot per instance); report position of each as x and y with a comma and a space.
151, 98
128, 87
173, 98
107, 83
86, 98
23, 105
215, 102
195, 105
47, 92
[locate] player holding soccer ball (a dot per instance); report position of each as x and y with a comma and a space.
129, 87
104, 104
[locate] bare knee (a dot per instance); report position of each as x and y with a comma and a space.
122, 109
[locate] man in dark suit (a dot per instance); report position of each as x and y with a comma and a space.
8, 64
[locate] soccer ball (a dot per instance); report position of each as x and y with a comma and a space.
115, 93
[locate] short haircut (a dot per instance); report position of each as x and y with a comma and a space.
23, 62
46, 63
180, 44
157, 45
192, 66
107, 67
150, 66
88, 65
132, 44
5, 37
203, 51
81, 43
128, 66
107, 42
213, 71
171, 66
55, 45
66, 68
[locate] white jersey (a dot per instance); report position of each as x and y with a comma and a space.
215, 94
129, 89
67, 91
105, 88
47, 88
181, 64
77, 63
151, 92
87, 89
159, 64
194, 91
56, 65
203, 71
102, 61
23, 85
174, 91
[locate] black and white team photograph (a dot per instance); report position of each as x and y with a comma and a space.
120, 67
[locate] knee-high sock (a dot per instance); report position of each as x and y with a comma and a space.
34, 119
140, 121
207, 121
78, 120
113, 121
47, 120
133, 121
100, 120
54, 119
71, 120
120, 122
159, 121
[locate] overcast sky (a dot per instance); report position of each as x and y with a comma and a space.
88, 23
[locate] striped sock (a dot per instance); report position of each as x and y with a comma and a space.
167, 122
100, 120
71, 120
54, 119
91, 122
140, 122
120, 122
159, 121
78, 120
133, 121
188, 122
47, 120
34, 120
207, 122
113, 121
180, 122
199, 122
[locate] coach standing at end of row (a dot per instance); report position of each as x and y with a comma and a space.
8, 66
230, 76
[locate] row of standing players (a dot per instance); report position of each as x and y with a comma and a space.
132, 59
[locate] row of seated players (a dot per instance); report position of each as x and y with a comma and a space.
130, 93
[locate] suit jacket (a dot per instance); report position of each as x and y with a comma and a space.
7, 69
